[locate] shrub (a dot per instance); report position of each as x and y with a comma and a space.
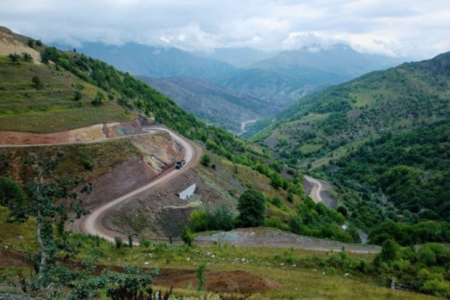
206, 160
200, 273
145, 243
37, 82
77, 96
118, 241
130, 241
187, 236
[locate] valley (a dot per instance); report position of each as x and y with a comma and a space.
94, 162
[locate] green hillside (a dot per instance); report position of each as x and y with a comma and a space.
321, 126
382, 139
52, 105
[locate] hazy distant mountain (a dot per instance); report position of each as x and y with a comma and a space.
238, 57
292, 74
210, 102
338, 59
159, 62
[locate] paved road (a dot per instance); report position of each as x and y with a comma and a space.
316, 192
91, 224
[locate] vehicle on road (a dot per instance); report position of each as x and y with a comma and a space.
180, 164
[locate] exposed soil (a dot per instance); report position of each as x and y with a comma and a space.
122, 179
80, 135
216, 281
9, 44
327, 199
165, 213
276, 238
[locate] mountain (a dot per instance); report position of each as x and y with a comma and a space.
158, 62
340, 60
238, 57
381, 138
67, 90
293, 74
211, 102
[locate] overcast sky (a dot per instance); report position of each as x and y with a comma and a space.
413, 28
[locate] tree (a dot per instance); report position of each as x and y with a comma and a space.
206, 160
252, 209
187, 236
389, 251
130, 241
342, 210
50, 200
37, 82
39, 43
30, 43
13, 197
98, 100
14, 57
77, 96
200, 273
27, 57
118, 241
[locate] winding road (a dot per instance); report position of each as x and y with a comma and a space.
317, 189
91, 224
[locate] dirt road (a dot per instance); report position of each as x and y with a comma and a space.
90, 224
275, 238
317, 189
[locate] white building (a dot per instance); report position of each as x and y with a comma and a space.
187, 193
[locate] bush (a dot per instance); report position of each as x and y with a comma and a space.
145, 243
221, 219
13, 197
77, 96
118, 241
205, 160
200, 273
187, 236
130, 241
37, 82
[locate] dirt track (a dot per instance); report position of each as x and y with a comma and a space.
317, 189
91, 224
268, 237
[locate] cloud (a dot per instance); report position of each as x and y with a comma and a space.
399, 27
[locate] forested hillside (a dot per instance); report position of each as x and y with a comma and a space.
210, 102
394, 100
382, 139
155, 61
401, 178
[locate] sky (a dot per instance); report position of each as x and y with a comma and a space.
412, 28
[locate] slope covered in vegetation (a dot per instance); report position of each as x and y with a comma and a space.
382, 139
394, 100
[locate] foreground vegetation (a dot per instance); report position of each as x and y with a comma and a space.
304, 274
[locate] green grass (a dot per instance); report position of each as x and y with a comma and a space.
50, 108
300, 271
103, 155
308, 148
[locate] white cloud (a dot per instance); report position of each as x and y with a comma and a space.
414, 28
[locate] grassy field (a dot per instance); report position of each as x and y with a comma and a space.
302, 273
88, 161
51, 107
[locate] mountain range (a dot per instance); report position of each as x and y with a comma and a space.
271, 79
